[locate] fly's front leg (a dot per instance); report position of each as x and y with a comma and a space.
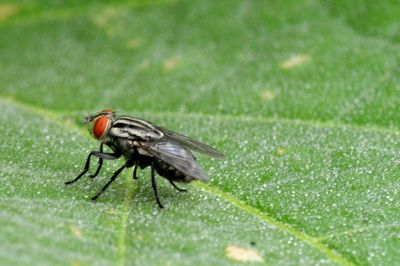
101, 155
100, 163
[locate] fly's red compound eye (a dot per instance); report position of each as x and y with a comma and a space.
101, 125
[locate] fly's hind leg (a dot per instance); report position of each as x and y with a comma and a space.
134, 171
176, 187
114, 176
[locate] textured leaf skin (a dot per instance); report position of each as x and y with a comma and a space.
302, 97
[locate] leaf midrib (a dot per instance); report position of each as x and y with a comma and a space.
130, 189
308, 239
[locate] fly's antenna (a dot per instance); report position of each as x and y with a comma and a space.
87, 118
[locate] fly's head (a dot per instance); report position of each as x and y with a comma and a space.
101, 123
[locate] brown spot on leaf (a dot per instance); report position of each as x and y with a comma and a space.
171, 63
295, 61
279, 150
106, 19
75, 230
267, 95
134, 43
243, 254
112, 212
143, 65
7, 11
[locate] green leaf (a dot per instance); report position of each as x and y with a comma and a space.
302, 97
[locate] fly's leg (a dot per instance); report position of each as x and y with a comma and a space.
100, 163
134, 172
101, 155
154, 185
114, 176
176, 187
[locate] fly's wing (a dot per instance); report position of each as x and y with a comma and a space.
177, 156
191, 143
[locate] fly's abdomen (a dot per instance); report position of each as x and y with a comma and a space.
169, 172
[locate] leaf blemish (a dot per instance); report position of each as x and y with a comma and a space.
295, 61
280, 151
134, 43
104, 17
267, 95
243, 254
112, 212
106, 20
76, 263
171, 63
7, 11
143, 65
75, 231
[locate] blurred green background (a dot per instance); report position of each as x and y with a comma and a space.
302, 97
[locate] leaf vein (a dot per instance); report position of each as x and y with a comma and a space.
310, 240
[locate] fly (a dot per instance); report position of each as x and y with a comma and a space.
145, 144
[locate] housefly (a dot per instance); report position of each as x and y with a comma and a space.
144, 144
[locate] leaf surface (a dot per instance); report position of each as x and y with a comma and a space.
301, 97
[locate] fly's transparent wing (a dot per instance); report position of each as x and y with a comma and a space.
177, 156
191, 143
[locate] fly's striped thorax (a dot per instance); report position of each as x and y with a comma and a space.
136, 124
133, 128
